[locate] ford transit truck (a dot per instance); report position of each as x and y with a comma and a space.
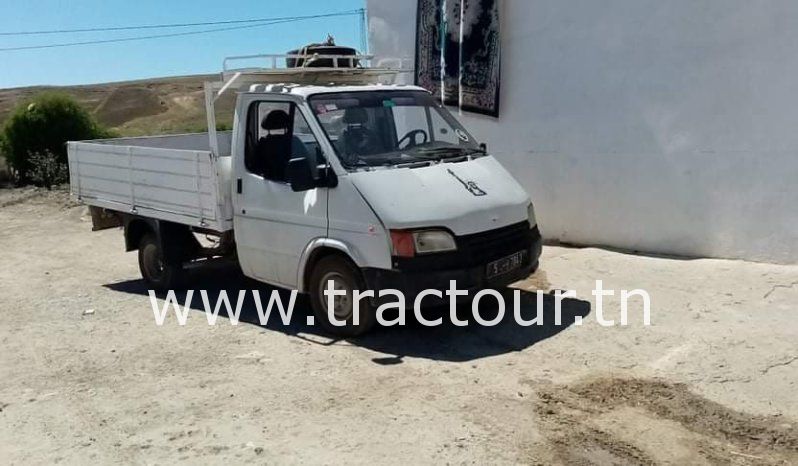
331, 174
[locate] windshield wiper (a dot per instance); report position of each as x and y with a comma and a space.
447, 151
438, 150
462, 158
413, 164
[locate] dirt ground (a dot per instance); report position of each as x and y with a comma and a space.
87, 377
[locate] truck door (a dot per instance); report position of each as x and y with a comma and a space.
273, 224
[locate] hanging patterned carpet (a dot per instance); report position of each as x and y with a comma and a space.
458, 53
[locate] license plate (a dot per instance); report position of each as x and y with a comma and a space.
505, 265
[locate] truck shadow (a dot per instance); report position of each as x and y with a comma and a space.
446, 342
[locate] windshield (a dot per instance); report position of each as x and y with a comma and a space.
389, 128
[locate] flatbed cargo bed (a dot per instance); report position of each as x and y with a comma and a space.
173, 178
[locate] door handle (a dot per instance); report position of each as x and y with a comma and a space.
239, 187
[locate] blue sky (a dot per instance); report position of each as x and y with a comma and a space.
157, 57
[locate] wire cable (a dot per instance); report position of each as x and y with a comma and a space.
177, 25
174, 34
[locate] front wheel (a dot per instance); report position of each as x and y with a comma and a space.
155, 271
344, 277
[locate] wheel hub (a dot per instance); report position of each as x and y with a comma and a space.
342, 304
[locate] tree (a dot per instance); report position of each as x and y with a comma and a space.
43, 125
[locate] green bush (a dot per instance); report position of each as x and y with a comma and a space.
46, 170
42, 126
5, 175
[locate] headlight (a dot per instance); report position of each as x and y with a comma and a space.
433, 241
530, 213
407, 243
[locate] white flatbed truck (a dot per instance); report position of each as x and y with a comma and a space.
331, 174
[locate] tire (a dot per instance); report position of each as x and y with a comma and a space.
159, 275
346, 276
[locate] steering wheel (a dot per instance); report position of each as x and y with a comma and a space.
411, 139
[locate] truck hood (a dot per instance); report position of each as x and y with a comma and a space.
465, 197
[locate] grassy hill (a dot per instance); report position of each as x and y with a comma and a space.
136, 108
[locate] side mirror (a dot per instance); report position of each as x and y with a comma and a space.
483, 147
299, 175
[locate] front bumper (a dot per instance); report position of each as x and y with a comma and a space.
468, 266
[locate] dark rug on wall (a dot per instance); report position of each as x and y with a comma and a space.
463, 73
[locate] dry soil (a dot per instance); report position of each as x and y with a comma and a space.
87, 376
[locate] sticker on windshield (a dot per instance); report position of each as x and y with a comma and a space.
461, 134
388, 103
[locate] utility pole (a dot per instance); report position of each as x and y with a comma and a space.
364, 40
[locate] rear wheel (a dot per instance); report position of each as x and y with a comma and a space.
155, 271
344, 277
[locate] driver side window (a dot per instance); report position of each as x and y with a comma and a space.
276, 133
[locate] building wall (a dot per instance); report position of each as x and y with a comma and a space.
650, 125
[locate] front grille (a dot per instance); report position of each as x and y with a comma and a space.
485, 247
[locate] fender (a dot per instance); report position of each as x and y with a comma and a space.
135, 227
317, 244
175, 240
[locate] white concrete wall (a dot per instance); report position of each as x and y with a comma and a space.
651, 125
